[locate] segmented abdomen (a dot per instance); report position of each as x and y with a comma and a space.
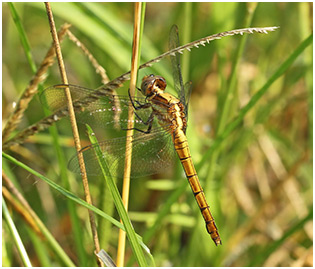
182, 149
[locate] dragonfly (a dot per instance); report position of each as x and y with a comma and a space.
160, 125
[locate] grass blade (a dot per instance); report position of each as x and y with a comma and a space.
118, 203
74, 198
15, 235
106, 258
63, 191
256, 97
23, 37
278, 243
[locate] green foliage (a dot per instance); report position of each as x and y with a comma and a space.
249, 130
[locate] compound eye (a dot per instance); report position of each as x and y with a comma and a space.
161, 83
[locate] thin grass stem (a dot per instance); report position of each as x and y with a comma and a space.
98, 68
23, 37
134, 242
15, 235
74, 127
50, 239
230, 127
129, 134
31, 90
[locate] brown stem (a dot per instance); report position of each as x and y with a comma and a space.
74, 127
128, 154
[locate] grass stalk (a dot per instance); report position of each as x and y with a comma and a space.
15, 235
278, 243
259, 151
128, 154
23, 37
186, 38
98, 68
117, 82
230, 127
22, 105
72, 196
73, 126
128, 228
31, 90
50, 239
229, 98
63, 191
265, 205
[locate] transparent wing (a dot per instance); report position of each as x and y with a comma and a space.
175, 60
183, 92
151, 153
104, 109
188, 89
54, 97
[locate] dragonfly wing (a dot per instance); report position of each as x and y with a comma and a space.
104, 109
54, 97
91, 158
111, 112
182, 91
175, 60
188, 89
151, 153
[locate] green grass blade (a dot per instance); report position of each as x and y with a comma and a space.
23, 37
74, 198
15, 235
165, 210
246, 171
75, 223
118, 203
256, 97
41, 251
187, 25
63, 191
143, 6
231, 89
278, 243
54, 244
54, 134
228, 102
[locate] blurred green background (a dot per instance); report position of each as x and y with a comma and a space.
258, 181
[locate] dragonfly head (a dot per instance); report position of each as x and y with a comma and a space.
151, 83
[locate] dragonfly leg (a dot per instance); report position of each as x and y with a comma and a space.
149, 122
139, 130
140, 106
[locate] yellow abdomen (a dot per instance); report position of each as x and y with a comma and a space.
182, 149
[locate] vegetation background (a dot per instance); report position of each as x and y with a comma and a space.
258, 181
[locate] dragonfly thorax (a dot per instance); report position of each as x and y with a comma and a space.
152, 85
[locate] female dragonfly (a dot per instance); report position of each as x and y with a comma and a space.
160, 125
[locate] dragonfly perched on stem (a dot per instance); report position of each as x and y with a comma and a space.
160, 127
117, 82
